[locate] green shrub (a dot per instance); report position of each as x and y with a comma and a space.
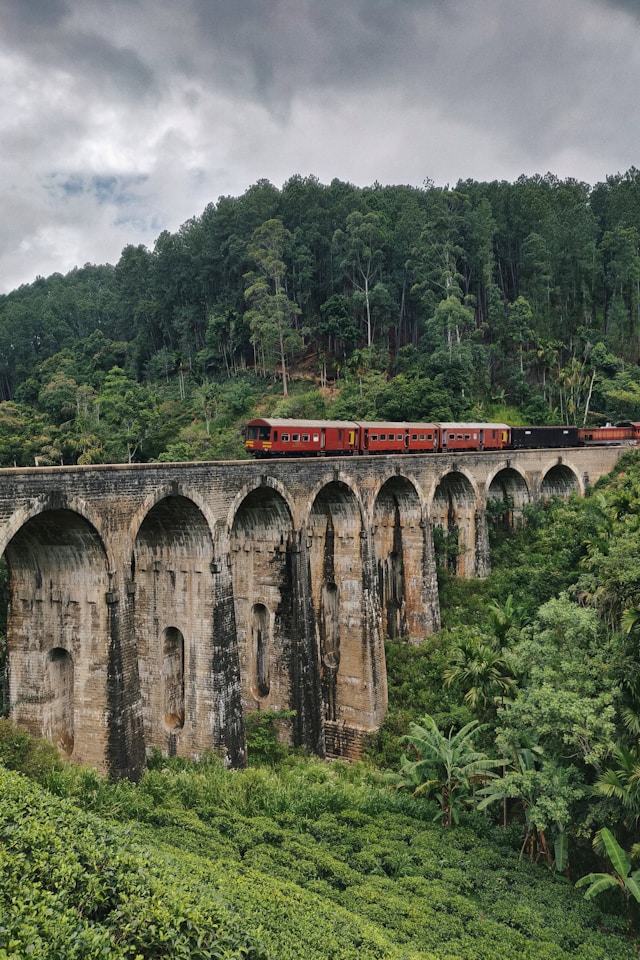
36, 758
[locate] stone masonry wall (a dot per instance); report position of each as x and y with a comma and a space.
156, 605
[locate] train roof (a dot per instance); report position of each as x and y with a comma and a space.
292, 423
551, 426
392, 424
473, 426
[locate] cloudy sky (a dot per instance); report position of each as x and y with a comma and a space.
121, 118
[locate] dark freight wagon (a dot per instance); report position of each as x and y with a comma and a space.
533, 438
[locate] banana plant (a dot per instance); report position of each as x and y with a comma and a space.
621, 875
447, 766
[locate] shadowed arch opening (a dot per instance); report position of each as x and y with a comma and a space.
508, 495
453, 517
176, 522
559, 481
58, 670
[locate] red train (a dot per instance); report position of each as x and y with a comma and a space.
268, 437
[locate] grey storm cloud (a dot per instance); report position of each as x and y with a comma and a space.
120, 118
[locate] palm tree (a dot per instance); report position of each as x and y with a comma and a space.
482, 671
630, 619
504, 617
446, 765
622, 782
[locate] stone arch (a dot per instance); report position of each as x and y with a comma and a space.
560, 480
163, 492
453, 516
173, 600
57, 502
508, 493
399, 542
249, 489
61, 679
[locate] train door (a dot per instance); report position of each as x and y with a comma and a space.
323, 439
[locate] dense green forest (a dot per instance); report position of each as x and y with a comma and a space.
384, 302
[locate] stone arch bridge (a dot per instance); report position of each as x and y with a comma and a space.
156, 605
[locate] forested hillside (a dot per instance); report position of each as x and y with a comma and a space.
438, 303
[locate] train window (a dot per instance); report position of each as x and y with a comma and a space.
459, 436
295, 437
414, 436
467, 436
285, 438
252, 433
275, 435
475, 436
429, 436
399, 436
305, 438
374, 436
316, 437
383, 436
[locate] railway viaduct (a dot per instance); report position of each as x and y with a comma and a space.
156, 605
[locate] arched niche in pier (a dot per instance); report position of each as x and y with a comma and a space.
58, 651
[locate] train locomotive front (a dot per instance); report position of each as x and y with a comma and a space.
279, 437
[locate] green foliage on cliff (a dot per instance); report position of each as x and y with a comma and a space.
384, 303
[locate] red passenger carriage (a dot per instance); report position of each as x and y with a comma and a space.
399, 437
301, 438
474, 436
